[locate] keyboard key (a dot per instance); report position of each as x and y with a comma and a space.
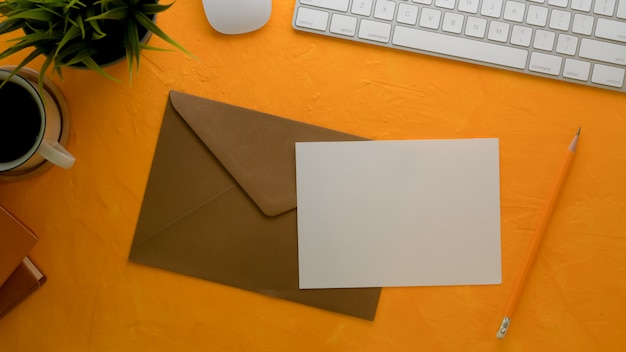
430, 18
362, 7
608, 75
581, 5
567, 44
604, 7
576, 69
339, 5
376, 31
621, 9
384, 9
545, 63
537, 15
544, 40
446, 4
313, 19
514, 11
583, 24
460, 47
560, 20
407, 14
603, 51
452, 22
612, 30
342, 24
521, 36
498, 31
558, 3
469, 6
491, 8
476, 27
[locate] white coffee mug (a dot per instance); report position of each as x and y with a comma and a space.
30, 127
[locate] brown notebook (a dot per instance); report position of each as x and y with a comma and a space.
25, 280
16, 240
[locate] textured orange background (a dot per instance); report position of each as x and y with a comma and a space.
95, 300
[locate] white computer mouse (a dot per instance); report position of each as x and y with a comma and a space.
237, 16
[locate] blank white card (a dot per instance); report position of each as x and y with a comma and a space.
398, 213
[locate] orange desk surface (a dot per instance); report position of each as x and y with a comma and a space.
95, 300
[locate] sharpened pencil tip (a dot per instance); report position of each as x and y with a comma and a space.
572, 146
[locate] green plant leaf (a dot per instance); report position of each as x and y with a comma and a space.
98, 33
52, 34
57, 70
79, 56
30, 39
97, 36
30, 57
74, 53
131, 43
42, 72
50, 7
37, 14
81, 25
152, 27
151, 9
70, 22
153, 48
50, 4
108, 4
72, 32
27, 43
9, 26
92, 65
72, 4
119, 13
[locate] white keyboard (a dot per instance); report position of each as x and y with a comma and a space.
579, 41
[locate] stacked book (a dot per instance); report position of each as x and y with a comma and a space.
19, 275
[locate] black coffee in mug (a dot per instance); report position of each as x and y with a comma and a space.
20, 122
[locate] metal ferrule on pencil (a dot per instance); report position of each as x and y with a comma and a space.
503, 327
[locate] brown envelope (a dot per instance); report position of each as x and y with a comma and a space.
220, 203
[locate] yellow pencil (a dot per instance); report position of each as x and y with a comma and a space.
538, 235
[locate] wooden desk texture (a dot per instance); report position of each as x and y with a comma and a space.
85, 217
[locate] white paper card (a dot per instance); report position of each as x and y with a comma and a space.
398, 213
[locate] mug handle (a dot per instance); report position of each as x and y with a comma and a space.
56, 154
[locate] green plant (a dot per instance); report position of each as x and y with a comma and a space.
81, 32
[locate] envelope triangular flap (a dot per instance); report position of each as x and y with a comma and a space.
257, 149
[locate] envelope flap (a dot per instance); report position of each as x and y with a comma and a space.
257, 149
